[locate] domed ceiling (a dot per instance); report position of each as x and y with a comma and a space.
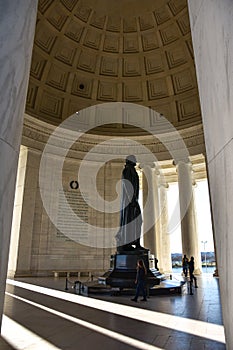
88, 52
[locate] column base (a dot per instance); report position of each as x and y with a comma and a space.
197, 271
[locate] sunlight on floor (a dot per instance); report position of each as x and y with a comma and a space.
21, 338
195, 327
117, 336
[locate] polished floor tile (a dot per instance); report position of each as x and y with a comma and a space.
52, 318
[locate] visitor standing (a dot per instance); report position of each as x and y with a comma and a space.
191, 271
185, 265
140, 281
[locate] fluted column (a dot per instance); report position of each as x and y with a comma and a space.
150, 202
166, 261
17, 26
190, 241
20, 256
212, 220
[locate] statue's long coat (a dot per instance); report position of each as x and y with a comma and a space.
130, 216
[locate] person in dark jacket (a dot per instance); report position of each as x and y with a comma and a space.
191, 271
140, 281
185, 264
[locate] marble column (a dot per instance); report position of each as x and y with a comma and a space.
17, 27
20, 256
212, 27
149, 198
190, 241
215, 274
112, 172
166, 261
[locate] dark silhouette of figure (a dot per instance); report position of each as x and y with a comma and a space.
140, 281
130, 215
185, 265
191, 271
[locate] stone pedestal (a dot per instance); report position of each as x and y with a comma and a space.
122, 273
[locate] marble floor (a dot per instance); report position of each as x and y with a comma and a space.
39, 314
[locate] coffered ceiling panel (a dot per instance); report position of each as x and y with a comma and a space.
95, 51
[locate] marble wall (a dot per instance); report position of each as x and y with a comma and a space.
212, 28
45, 235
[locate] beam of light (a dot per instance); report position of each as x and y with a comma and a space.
21, 338
194, 327
114, 335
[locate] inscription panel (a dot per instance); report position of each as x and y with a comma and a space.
68, 222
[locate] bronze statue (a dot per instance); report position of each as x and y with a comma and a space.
129, 233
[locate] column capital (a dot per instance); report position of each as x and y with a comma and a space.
194, 183
185, 163
182, 160
150, 165
164, 184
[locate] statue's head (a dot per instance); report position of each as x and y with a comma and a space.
131, 160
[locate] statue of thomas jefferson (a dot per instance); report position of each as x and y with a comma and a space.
129, 233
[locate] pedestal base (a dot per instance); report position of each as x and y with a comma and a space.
122, 273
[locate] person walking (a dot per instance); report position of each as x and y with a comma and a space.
140, 281
191, 272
